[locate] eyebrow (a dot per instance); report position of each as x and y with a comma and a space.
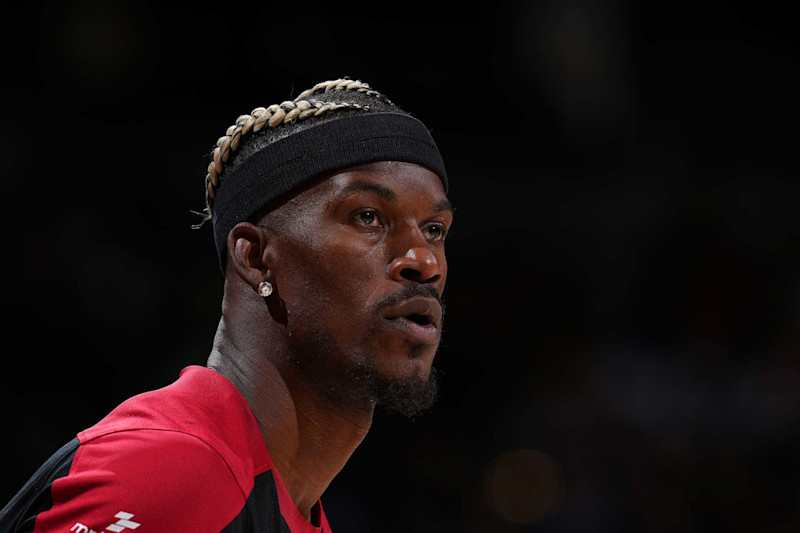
444, 205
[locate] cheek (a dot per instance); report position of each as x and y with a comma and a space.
330, 282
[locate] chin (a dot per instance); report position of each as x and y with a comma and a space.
401, 367
408, 391
409, 398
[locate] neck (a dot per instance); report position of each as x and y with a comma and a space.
309, 436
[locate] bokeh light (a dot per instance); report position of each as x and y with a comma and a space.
524, 486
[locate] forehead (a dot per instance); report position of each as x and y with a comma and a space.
392, 180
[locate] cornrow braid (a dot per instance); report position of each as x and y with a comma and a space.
343, 84
290, 111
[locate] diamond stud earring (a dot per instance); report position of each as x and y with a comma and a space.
265, 288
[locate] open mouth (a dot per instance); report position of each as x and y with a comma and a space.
419, 318
422, 320
420, 328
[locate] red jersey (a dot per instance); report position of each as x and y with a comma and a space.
188, 457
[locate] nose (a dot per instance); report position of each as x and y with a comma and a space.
419, 264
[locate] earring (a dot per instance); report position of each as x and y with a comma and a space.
265, 288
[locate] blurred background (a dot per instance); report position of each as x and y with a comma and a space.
623, 325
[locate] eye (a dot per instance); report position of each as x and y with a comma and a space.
369, 218
435, 231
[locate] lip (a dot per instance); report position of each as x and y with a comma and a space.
428, 308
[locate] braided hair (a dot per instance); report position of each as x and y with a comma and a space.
265, 125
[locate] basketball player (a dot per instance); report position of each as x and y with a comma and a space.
329, 214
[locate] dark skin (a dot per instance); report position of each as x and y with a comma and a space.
357, 262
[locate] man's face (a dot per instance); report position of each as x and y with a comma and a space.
361, 271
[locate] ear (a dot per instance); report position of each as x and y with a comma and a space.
247, 253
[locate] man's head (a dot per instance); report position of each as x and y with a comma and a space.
345, 214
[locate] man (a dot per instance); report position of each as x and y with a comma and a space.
330, 215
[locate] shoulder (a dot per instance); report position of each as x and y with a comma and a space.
162, 478
183, 457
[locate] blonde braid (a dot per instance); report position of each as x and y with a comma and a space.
302, 107
343, 84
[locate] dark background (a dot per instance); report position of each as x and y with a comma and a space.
624, 289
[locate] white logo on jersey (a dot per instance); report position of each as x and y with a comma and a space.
123, 522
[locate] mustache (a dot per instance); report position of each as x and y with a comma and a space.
409, 291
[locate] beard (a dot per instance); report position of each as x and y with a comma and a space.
358, 383
355, 380
409, 398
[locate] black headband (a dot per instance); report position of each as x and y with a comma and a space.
329, 146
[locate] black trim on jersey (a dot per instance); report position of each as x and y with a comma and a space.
261, 512
20, 514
